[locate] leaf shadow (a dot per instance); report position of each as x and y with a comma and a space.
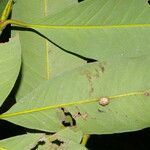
9, 129
88, 60
11, 100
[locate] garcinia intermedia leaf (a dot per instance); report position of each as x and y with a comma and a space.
72, 99
10, 61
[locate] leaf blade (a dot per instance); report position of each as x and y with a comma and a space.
93, 119
10, 54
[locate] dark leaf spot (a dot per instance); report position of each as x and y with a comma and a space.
38, 144
80, 1
101, 111
148, 2
57, 142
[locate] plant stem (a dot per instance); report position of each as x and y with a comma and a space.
85, 139
6, 10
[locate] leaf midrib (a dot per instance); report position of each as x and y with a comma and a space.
7, 115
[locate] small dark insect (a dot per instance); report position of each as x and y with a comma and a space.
104, 101
148, 2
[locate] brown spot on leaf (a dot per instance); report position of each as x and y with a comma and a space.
88, 75
102, 67
83, 116
93, 74
78, 114
97, 74
147, 93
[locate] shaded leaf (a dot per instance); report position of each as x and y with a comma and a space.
44, 142
24, 142
41, 60
2, 6
64, 140
10, 61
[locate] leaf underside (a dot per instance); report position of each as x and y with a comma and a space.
42, 60
10, 54
120, 46
94, 80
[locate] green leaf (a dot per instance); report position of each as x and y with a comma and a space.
7, 10
44, 8
2, 6
23, 142
41, 60
103, 12
10, 61
64, 140
72, 98
66, 137
103, 29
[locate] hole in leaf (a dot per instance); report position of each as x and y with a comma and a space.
6, 33
68, 120
38, 144
80, 1
57, 142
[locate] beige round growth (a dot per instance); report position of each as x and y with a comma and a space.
104, 101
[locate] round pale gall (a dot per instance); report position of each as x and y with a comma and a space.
104, 101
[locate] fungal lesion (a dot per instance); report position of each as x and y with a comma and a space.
84, 115
93, 74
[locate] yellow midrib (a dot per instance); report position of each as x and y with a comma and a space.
27, 25
46, 44
143, 93
89, 26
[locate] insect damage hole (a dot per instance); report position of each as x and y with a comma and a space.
57, 142
68, 120
104, 101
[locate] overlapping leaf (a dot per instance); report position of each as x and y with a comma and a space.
2, 5
24, 142
68, 140
41, 59
10, 61
119, 28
